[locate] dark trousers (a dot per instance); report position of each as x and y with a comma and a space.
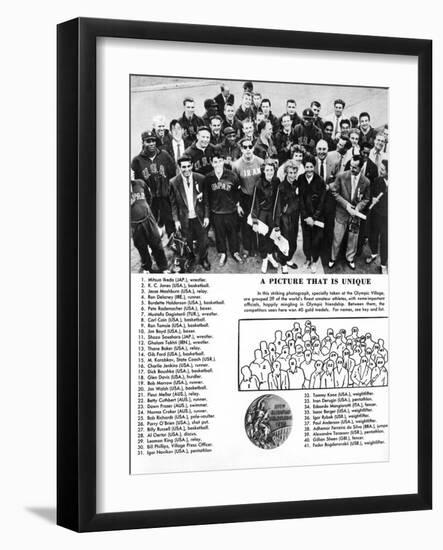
289, 230
196, 232
249, 237
265, 244
161, 208
312, 240
379, 230
225, 226
145, 235
328, 232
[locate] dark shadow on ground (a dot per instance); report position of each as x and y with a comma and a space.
48, 514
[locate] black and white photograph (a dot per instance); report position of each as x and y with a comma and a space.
258, 177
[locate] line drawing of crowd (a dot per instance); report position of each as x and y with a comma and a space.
249, 181
300, 359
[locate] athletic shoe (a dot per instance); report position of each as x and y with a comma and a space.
314, 267
351, 265
284, 269
264, 265
371, 258
237, 258
331, 264
222, 260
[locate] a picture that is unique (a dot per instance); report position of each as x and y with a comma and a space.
257, 177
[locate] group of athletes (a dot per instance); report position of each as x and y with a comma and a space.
254, 178
300, 359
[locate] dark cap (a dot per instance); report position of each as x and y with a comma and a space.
210, 104
229, 130
308, 113
150, 135
203, 128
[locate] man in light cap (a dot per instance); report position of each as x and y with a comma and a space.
307, 134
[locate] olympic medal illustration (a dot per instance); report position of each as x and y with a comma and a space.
268, 421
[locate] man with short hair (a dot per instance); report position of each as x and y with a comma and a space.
256, 102
335, 118
377, 155
264, 146
159, 127
201, 151
156, 168
189, 121
266, 108
339, 154
223, 98
318, 121
216, 130
221, 188
291, 109
188, 209
248, 130
367, 132
175, 145
284, 139
307, 134
232, 121
245, 110
248, 170
328, 129
345, 128
352, 193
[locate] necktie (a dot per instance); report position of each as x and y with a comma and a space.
179, 153
322, 169
353, 186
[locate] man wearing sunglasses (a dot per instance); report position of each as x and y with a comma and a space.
248, 170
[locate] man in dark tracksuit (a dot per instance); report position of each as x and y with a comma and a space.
221, 198
156, 168
145, 231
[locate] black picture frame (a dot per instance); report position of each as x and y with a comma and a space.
76, 278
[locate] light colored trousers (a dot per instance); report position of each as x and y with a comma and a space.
339, 233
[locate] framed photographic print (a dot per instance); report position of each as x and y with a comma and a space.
244, 320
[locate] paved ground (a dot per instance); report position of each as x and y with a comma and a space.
155, 95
